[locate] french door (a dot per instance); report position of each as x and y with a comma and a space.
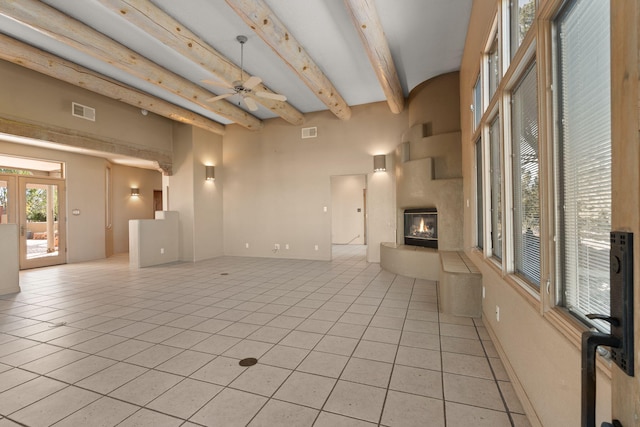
37, 205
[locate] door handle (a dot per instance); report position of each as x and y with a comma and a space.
621, 339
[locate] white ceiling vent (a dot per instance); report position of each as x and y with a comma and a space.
309, 132
82, 111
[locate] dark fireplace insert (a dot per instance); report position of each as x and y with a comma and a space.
421, 227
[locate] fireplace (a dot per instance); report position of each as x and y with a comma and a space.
421, 227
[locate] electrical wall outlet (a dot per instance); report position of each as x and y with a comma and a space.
498, 313
246, 245
316, 247
483, 292
276, 246
286, 246
161, 251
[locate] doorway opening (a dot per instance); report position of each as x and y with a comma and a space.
348, 210
32, 194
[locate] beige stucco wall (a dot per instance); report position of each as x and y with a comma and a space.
207, 195
30, 97
199, 202
9, 259
428, 166
277, 184
125, 207
436, 104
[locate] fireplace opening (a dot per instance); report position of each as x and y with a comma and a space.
421, 227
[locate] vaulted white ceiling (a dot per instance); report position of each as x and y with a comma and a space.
425, 38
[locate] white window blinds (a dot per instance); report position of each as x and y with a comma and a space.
585, 155
477, 103
496, 188
526, 195
479, 198
493, 64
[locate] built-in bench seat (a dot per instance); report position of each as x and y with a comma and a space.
460, 285
410, 261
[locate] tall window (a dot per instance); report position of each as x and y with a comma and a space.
584, 152
521, 15
496, 188
479, 198
526, 196
493, 62
477, 103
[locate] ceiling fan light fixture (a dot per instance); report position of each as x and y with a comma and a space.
245, 87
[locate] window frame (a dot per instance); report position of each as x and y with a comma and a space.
538, 45
559, 302
531, 65
480, 191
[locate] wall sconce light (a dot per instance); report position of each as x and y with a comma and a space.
135, 192
210, 173
379, 163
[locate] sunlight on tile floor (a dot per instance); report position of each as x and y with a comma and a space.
338, 343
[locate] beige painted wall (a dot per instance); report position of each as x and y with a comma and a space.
436, 104
126, 207
428, 166
85, 184
199, 202
207, 195
381, 209
30, 97
9, 259
545, 362
277, 184
85, 191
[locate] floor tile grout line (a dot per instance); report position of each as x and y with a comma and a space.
495, 378
290, 374
349, 279
395, 357
353, 351
444, 400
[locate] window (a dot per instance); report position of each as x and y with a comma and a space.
493, 71
496, 188
584, 156
479, 198
526, 195
521, 15
477, 103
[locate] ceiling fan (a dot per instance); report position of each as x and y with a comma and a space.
244, 88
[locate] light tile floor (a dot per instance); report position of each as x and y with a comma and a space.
338, 343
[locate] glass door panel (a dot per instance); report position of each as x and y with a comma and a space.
41, 230
7, 199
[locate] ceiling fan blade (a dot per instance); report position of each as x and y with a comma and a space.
251, 104
252, 82
217, 83
219, 97
269, 95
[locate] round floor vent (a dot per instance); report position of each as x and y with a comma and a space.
249, 361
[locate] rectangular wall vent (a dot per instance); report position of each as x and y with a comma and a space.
82, 111
309, 132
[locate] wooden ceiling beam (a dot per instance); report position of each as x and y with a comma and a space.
62, 28
155, 22
263, 21
22, 54
367, 22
